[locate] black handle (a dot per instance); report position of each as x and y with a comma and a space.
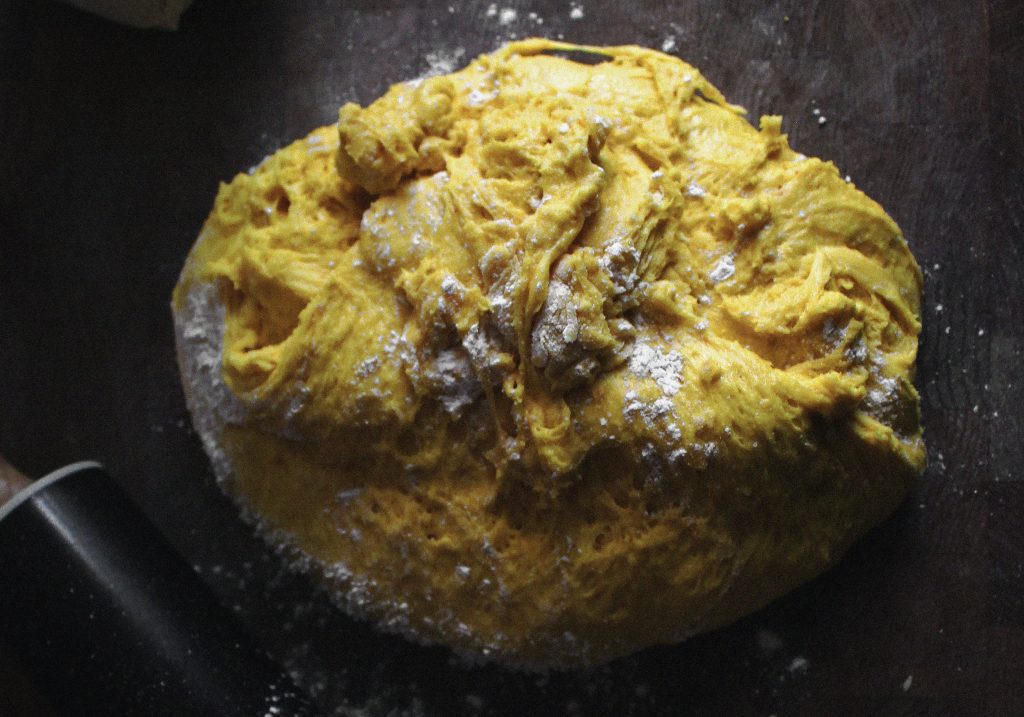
110, 620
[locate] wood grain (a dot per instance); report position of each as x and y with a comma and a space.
114, 140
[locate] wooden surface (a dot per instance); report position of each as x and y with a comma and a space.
112, 142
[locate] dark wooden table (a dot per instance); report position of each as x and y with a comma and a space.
113, 140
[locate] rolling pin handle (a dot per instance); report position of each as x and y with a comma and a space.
109, 619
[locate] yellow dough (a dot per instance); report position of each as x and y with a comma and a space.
550, 361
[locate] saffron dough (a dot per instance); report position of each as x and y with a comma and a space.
550, 361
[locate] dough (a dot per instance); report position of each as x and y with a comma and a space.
549, 361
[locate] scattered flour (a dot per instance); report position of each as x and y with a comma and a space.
799, 664
882, 397
443, 62
621, 262
478, 98
457, 382
200, 331
368, 367
695, 190
665, 367
556, 325
724, 269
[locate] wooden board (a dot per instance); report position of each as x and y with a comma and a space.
113, 140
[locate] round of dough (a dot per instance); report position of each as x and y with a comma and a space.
550, 361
